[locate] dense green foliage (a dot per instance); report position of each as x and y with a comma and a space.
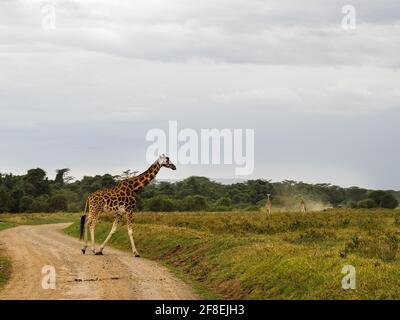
35, 192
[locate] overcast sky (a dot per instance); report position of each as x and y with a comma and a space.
324, 101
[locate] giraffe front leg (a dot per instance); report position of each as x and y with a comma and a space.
113, 229
129, 220
134, 250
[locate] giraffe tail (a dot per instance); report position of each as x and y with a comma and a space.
83, 220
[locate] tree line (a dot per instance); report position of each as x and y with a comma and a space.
35, 192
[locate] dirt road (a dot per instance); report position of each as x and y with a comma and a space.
116, 275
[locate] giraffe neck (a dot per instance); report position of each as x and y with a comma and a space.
142, 180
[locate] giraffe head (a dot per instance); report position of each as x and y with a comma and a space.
164, 161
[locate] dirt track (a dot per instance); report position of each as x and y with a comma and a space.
116, 275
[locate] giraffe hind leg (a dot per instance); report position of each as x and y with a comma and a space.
113, 229
85, 237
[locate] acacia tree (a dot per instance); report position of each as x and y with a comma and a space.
63, 177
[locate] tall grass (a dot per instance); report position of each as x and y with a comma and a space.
287, 256
5, 269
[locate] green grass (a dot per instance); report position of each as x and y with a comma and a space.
6, 225
241, 255
13, 220
5, 269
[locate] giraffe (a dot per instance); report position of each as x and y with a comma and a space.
119, 201
268, 204
303, 208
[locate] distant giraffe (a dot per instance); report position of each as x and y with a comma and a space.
268, 204
119, 201
303, 208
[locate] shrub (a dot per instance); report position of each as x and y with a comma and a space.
384, 199
75, 207
41, 204
367, 204
58, 202
377, 196
194, 203
353, 205
5, 200
224, 202
383, 247
25, 204
160, 203
389, 202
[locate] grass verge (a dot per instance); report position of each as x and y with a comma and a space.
240, 255
5, 269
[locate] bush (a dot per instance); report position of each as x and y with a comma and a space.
383, 247
160, 203
377, 196
389, 202
224, 202
5, 200
25, 204
58, 203
41, 204
75, 207
194, 203
367, 204
384, 199
353, 205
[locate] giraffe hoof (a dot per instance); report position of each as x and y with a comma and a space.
99, 253
83, 251
136, 254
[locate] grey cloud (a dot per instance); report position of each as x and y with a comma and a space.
224, 31
324, 100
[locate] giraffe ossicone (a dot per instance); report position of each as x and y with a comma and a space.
119, 201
